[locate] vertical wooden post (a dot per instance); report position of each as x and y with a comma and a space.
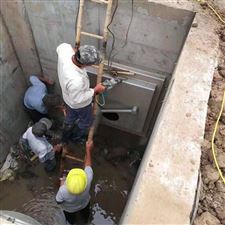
79, 23
101, 65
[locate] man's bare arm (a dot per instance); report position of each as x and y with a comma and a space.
89, 147
45, 79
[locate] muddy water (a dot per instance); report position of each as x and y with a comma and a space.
33, 191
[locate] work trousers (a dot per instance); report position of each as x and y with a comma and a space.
77, 123
79, 218
49, 161
35, 115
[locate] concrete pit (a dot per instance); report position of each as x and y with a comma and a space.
115, 163
170, 97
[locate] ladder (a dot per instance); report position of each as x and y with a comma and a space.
66, 155
103, 37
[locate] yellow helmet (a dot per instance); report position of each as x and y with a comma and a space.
76, 181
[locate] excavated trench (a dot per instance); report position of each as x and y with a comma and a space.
116, 158
122, 136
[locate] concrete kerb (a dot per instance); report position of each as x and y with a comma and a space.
164, 191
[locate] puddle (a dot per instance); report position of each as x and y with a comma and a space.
33, 191
44, 209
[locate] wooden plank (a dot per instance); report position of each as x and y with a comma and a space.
79, 23
73, 158
92, 35
101, 65
33, 158
101, 1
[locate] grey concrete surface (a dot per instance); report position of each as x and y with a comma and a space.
165, 187
13, 119
154, 42
18, 25
164, 191
52, 24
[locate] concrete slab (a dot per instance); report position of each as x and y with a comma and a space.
13, 119
165, 187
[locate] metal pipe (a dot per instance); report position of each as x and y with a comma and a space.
132, 110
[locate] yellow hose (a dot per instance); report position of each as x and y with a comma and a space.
216, 13
222, 106
213, 138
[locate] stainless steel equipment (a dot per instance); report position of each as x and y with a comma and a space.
142, 89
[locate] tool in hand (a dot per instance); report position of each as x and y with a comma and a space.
110, 83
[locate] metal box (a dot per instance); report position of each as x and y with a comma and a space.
141, 90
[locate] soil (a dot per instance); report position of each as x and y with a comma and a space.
211, 209
37, 189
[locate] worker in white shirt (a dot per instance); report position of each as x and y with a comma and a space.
35, 140
75, 86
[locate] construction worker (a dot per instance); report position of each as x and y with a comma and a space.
75, 86
73, 194
35, 140
37, 100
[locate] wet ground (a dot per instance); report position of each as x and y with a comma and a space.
115, 162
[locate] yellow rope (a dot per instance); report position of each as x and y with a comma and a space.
216, 13
213, 138
222, 106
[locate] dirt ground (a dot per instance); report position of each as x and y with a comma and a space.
211, 209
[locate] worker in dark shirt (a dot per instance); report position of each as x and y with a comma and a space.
37, 100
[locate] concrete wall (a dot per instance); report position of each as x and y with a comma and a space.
156, 35
13, 119
154, 42
36, 28
167, 179
168, 175
18, 25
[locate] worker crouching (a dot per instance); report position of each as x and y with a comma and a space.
38, 102
35, 140
73, 194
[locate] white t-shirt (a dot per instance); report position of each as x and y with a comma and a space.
72, 202
73, 80
39, 145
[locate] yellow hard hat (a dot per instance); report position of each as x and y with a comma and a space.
76, 181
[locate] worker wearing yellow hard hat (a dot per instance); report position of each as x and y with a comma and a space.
76, 181
73, 194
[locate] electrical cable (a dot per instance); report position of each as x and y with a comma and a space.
211, 7
128, 29
131, 19
103, 100
213, 139
222, 106
113, 36
217, 14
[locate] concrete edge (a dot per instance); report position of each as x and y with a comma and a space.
165, 187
